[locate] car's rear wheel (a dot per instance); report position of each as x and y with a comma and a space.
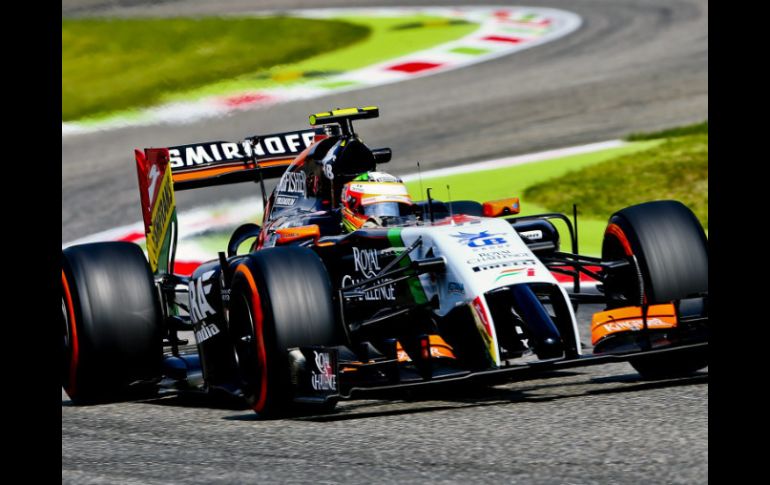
671, 251
281, 298
111, 325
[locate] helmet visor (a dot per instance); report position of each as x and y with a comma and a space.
382, 209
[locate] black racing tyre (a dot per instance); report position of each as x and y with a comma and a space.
280, 298
671, 250
669, 245
111, 323
674, 365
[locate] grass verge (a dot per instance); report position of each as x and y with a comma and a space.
694, 129
676, 169
388, 40
513, 182
115, 64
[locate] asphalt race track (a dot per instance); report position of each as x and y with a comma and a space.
634, 65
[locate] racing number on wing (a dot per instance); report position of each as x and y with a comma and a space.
329, 171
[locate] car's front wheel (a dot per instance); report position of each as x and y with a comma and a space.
280, 298
671, 251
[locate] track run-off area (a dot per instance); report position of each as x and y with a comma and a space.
632, 65
499, 31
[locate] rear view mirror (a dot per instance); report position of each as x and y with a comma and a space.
501, 207
290, 234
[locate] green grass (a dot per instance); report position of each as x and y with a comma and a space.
110, 65
387, 41
676, 169
694, 129
513, 181
113, 67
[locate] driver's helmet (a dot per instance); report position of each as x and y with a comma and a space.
375, 199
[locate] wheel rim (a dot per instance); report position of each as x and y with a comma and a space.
625, 288
65, 323
245, 345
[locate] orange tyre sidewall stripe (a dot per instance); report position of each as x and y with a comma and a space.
616, 231
73, 338
256, 304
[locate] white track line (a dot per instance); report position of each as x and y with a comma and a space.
517, 160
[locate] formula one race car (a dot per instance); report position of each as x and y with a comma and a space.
351, 289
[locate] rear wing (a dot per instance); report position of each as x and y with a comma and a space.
220, 162
162, 171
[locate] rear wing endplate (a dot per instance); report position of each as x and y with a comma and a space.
162, 171
156, 192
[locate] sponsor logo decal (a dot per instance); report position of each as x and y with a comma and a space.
285, 200
481, 239
635, 325
153, 177
522, 336
484, 327
206, 332
272, 146
505, 264
366, 262
387, 292
293, 182
516, 272
436, 353
383, 177
456, 288
199, 304
325, 379
533, 235
162, 211
402, 356
499, 255
328, 164
329, 170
